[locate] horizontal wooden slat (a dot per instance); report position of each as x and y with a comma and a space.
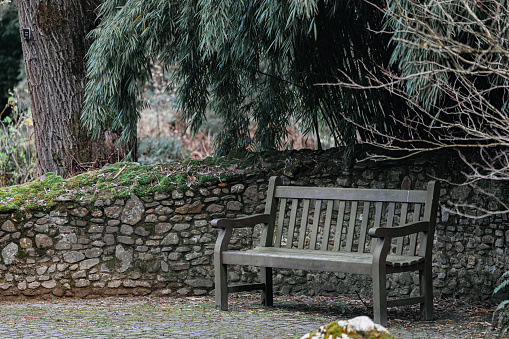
311, 260
350, 194
405, 301
403, 260
242, 288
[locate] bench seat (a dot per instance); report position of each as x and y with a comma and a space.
312, 260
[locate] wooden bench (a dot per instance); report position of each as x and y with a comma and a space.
328, 229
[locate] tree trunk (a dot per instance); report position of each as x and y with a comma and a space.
56, 75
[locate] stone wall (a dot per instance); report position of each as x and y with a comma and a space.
163, 244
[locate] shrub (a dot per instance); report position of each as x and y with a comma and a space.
501, 315
17, 161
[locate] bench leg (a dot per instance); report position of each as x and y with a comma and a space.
221, 282
380, 298
266, 279
426, 288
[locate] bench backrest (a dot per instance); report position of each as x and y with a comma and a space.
337, 219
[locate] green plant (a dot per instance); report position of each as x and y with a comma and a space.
153, 149
17, 161
501, 315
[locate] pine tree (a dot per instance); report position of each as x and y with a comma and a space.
250, 61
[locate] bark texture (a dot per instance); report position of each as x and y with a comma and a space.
56, 75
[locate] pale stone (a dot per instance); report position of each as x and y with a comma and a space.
163, 227
22, 286
125, 256
34, 285
133, 211
215, 208
43, 241
194, 208
82, 283
41, 270
234, 206
93, 253
9, 253
25, 243
63, 245
126, 229
8, 226
5, 286
113, 212
49, 284
357, 326
170, 239
114, 283
237, 188
88, 263
73, 257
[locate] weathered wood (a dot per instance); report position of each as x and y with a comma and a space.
351, 227
280, 222
303, 223
377, 222
405, 301
413, 237
390, 214
339, 225
327, 225
249, 221
364, 226
402, 221
399, 231
266, 279
291, 226
267, 236
349, 259
245, 288
350, 194
220, 274
316, 222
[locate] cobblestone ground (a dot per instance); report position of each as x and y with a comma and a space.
197, 318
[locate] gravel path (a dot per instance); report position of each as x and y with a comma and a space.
196, 318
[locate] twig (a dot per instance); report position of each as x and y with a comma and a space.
358, 295
120, 171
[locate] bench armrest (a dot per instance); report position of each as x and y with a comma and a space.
399, 231
249, 221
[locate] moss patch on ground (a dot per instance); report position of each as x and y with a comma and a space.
119, 180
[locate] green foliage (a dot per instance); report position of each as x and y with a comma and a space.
10, 50
115, 181
17, 161
154, 149
452, 57
501, 315
254, 63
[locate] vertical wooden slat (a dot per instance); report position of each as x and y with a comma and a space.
267, 237
303, 223
339, 225
377, 223
316, 220
326, 227
291, 227
280, 223
390, 214
402, 221
351, 226
413, 237
364, 226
